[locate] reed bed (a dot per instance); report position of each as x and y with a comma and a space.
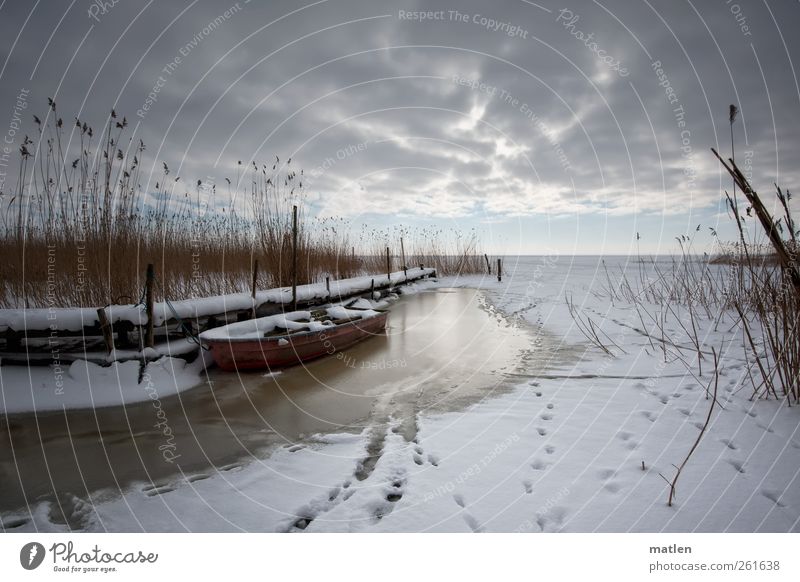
79, 227
751, 287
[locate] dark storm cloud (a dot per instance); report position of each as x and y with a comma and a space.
510, 108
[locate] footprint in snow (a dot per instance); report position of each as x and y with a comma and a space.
749, 412
538, 465
739, 466
546, 416
624, 435
552, 519
198, 477
729, 443
14, 523
606, 474
550, 406
685, 411
649, 415
764, 427
528, 486
774, 496
541, 431
549, 449
152, 491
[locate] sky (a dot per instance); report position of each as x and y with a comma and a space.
547, 127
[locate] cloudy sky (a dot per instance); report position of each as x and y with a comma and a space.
548, 127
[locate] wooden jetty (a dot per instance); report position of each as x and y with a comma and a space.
154, 329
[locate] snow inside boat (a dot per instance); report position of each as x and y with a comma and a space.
287, 339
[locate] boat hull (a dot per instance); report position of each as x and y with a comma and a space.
279, 352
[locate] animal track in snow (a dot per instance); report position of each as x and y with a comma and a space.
685, 411
649, 415
528, 486
549, 449
546, 416
550, 405
729, 443
541, 431
538, 465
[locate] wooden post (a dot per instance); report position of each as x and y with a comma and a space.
105, 328
488, 264
294, 258
328, 285
253, 288
148, 304
388, 266
372, 289
421, 266
499, 270
255, 279
403, 253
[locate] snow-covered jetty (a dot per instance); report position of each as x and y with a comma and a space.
31, 335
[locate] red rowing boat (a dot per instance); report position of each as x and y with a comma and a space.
288, 339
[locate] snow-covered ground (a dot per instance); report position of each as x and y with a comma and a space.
580, 447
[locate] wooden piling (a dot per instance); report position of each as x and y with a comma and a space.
403, 253
255, 279
148, 304
328, 285
488, 264
499, 270
105, 328
388, 266
294, 258
254, 285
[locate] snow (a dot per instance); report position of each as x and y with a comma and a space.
83, 384
75, 319
254, 329
584, 446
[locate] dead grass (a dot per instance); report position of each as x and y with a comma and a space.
79, 228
